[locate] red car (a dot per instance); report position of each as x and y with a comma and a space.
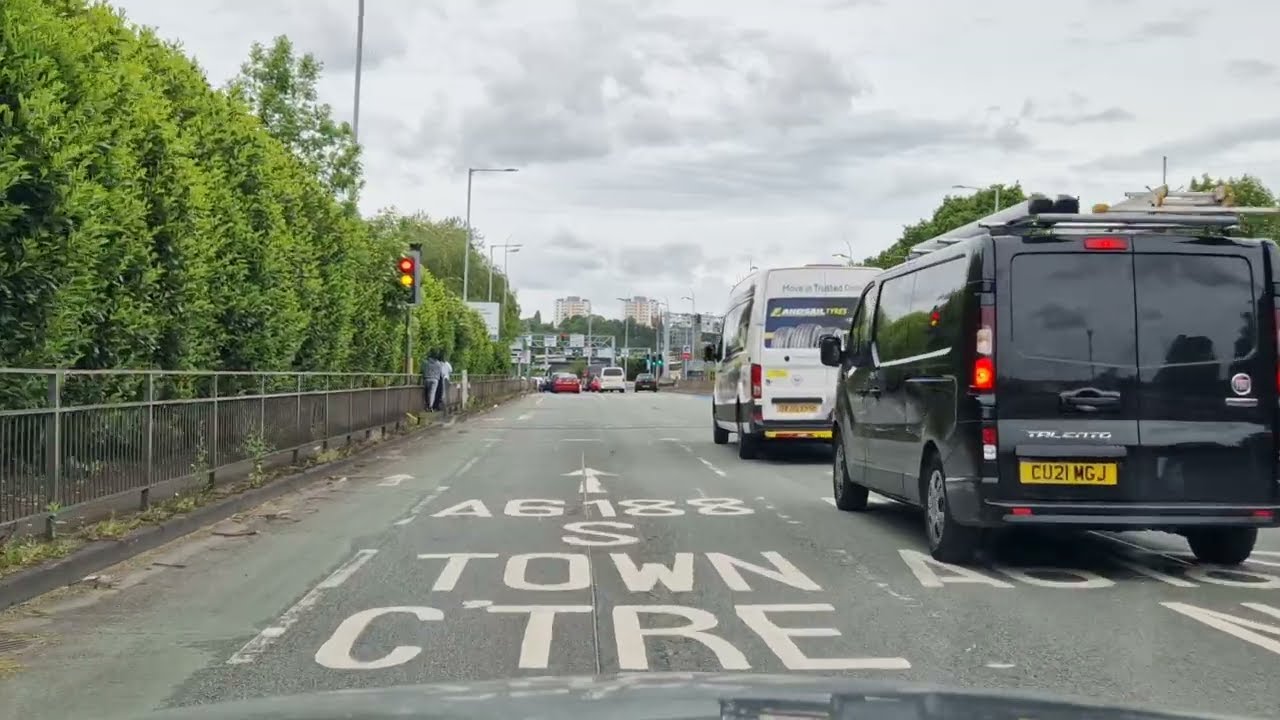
594, 386
564, 382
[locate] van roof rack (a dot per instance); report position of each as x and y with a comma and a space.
1149, 209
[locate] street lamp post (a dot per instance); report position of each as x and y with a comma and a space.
626, 337
466, 255
693, 310
355, 113
507, 247
996, 188
506, 288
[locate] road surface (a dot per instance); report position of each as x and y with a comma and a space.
594, 534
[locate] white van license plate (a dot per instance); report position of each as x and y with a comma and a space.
796, 408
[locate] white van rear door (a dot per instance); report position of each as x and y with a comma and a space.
797, 386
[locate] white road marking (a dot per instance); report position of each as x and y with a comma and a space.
336, 652
394, 480
589, 485
999, 665
269, 635
1264, 635
713, 468
467, 466
423, 503
540, 399
580, 440
525, 416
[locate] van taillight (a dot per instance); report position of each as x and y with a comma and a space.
757, 383
984, 364
989, 444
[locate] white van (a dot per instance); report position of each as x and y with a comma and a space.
613, 379
770, 383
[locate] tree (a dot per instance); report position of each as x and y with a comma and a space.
955, 211
149, 221
280, 88
1245, 191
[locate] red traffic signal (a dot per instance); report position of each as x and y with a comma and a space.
408, 273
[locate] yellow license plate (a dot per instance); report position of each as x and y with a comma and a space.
796, 407
1067, 473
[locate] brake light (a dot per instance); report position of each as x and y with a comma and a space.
1106, 243
757, 383
984, 374
984, 365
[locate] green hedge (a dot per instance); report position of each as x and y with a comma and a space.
150, 221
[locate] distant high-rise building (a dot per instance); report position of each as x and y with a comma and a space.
641, 310
567, 307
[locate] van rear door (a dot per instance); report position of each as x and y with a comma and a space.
1066, 370
1116, 368
797, 386
1206, 380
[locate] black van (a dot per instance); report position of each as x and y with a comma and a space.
1106, 371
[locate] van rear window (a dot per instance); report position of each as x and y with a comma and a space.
1073, 307
801, 322
1194, 308
612, 372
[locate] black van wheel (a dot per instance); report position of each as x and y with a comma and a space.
719, 435
949, 541
849, 496
748, 444
1222, 546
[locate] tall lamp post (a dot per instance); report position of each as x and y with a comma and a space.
507, 248
693, 310
355, 113
466, 256
996, 188
507, 251
626, 336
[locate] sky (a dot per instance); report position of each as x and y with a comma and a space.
664, 147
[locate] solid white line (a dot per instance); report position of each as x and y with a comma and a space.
713, 468
423, 503
262, 640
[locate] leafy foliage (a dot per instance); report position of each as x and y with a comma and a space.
954, 212
148, 220
1246, 191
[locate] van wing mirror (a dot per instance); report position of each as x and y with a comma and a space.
830, 351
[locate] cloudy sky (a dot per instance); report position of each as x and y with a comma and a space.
664, 147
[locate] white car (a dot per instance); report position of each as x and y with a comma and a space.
613, 379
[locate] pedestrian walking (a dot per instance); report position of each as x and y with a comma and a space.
446, 374
431, 379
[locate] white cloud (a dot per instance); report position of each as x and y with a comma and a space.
666, 146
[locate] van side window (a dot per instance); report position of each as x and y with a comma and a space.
937, 294
860, 330
731, 331
899, 333
744, 326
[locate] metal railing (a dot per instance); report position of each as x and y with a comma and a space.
70, 437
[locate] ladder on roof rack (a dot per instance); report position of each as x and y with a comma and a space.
1153, 208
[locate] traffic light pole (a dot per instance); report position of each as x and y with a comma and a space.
408, 339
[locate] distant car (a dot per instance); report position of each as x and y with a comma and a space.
594, 386
646, 381
565, 383
613, 379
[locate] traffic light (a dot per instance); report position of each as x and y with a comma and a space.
409, 275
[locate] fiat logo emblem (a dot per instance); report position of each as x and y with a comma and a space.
1241, 384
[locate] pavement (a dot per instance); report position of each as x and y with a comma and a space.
589, 534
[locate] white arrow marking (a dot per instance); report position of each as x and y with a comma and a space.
393, 480
590, 477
